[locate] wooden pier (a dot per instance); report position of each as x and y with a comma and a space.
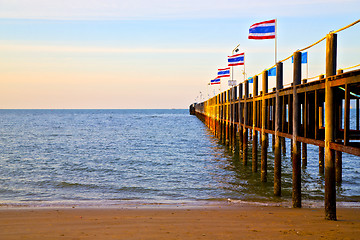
316, 112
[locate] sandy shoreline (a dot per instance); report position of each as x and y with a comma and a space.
209, 222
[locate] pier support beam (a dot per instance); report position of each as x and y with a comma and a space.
357, 114
283, 120
255, 139
240, 128
296, 154
245, 130
263, 126
222, 122
321, 160
305, 124
227, 137
319, 124
330, 190
230, 120
277, 150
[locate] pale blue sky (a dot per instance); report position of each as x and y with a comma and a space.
151, 54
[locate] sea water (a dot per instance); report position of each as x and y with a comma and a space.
106, 157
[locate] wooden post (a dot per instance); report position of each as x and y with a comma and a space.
304, 155
233, 119
305, 124
321, 160
263, 125
330, 191
227, 118
338, 166
283, 145
245, 130
296, 156
224, 118
347, 115
278, 110
283, 121
254, 140
220, 116
338, 154
235, 114
319, 124
357, 114
317, 115
240, 128
273, 120
230, 117
223, 138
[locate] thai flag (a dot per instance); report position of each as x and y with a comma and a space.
263, 30
237, 59
224, 72
215, 81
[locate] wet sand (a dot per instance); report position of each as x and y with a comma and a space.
220, 222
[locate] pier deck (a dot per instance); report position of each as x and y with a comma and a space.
316, 112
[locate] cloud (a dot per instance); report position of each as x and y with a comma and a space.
165, 9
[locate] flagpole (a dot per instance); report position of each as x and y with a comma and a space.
275, 40
307, 64
232, 85
244, 68
232, 67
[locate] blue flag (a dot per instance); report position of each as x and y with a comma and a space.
303, 58
250, 80
272, 71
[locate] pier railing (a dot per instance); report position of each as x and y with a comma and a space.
316, 112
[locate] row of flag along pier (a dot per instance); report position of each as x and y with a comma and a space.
257, 31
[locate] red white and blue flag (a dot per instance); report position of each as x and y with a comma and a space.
215, 81
224, 72
237, 59
263, 30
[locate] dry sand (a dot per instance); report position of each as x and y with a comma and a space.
229, 222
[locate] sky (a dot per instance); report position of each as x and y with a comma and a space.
121, 54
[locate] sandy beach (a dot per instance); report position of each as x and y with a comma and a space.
220, 222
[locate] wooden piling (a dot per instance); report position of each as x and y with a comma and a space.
227, 118
245, 130
222, 118
321, 160
338, 167
319, 116
233, 119
357, 114
235, 113
273, 119
230, 118
263, 126
347, 115
296, 156
241, 114
330, 191
278, 111
255, 139
283, 120
305, 124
